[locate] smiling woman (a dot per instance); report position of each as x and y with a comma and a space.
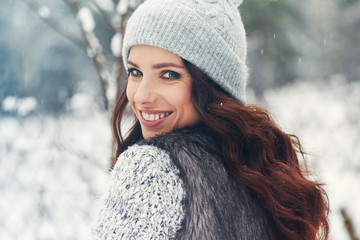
198, 162
159, 90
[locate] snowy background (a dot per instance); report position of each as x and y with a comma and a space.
55, 138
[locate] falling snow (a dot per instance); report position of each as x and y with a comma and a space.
51, 167
325, 117
44, 12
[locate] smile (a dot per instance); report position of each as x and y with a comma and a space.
153, 117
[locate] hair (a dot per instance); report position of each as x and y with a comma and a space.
258, 154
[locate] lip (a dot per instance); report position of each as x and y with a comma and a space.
155, 122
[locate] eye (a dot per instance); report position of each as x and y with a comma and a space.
133, 72
171, 75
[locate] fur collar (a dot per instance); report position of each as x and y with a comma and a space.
216, 206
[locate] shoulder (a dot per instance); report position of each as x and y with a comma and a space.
140, 157
144, 198
140, 164
147, 168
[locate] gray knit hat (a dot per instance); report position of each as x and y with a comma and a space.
207, 33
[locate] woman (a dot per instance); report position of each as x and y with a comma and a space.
198, 163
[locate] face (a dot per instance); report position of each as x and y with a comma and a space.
159, 90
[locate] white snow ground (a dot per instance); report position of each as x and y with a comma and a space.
53, 169
326, 117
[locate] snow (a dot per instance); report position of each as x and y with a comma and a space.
105, 5
326, 118
79, 104
9, 104
122, 7
22, 106
116, 44
44, 12
134, 3
26, 105
86, 19
53, 169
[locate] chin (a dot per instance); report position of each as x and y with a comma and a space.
149, 134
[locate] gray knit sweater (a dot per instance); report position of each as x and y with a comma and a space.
176, 186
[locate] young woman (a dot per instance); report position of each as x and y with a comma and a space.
198, 163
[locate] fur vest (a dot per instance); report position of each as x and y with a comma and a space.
216, 206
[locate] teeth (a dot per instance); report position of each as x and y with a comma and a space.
153, 117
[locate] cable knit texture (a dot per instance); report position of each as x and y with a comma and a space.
144, 199
207, 33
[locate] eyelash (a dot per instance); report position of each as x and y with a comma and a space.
133, 72
176, 75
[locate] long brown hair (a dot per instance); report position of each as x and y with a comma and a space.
258, 155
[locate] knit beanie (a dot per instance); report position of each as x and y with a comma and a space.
207, 33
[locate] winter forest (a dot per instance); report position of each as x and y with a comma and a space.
61, 71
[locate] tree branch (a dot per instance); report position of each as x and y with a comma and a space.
53, 24
108, 16
348, 224
98, 55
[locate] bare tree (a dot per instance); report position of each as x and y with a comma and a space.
110, 68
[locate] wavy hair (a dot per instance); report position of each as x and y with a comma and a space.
258, 155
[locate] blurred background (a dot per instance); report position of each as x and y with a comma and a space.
61, 71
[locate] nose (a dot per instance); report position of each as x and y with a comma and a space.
146, 91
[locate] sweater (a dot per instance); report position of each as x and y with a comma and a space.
176, 186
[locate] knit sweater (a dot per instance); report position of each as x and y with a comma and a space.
176, 186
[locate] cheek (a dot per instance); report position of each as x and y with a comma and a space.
130, 92
188, 114
180, 98
192, 117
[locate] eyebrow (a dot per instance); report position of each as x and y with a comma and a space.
159, 65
